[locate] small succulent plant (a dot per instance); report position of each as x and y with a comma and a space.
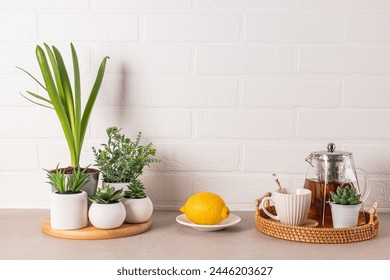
135, 190
67, 184
107, 195
345, 196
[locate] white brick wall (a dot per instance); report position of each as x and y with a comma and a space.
60, 26
275, 28
229, 91
192, 27
243, 60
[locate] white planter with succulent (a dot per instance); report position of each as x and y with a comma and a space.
345, 207
68, 204
66, 103
139, 207
121, 161
107, 211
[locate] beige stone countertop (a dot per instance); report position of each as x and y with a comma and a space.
21, 238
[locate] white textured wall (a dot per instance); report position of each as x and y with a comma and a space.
229, 91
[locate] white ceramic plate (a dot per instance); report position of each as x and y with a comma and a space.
230, 221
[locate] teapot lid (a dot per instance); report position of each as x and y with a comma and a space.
331, 152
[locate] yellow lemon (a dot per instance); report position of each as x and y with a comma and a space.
205, 208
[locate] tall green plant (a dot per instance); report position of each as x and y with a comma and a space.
65, 101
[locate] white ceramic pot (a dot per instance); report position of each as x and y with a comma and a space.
107, 216
138, 210
69, 211
345, 216
117, 186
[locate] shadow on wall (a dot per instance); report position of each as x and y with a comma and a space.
167, 190
124, 87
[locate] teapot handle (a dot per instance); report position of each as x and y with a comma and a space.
366, 185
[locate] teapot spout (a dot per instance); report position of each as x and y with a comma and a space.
309, 159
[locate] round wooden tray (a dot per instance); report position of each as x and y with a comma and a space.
317, 235
92, 233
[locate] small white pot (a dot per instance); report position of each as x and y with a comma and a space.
69, 211
117, 186
138, 210
345, 216
107, 216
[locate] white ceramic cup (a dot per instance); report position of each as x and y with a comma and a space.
292, 206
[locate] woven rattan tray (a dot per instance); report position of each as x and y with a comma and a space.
317, 235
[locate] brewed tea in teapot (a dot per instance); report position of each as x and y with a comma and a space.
328, 170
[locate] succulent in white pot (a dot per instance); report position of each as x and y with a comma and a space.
139, 207
69, 203
345, 207
107, 211
121, 161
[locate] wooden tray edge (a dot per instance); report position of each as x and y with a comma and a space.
92, 233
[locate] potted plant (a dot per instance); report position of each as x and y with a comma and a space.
345, 207
106, 211
121, 161
139, 207
68, 204
66, 103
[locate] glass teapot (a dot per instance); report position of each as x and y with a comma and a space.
328, 170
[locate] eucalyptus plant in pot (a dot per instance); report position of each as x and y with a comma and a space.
107, 211
69, 204
66, 103
121, 162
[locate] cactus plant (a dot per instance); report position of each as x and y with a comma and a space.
345, 196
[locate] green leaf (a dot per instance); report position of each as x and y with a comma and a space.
66, 106
32, 101
107, 195
67, 89
77, 98
38, 97
35, 79
56, 100
339, 191
92, 99
56, 72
